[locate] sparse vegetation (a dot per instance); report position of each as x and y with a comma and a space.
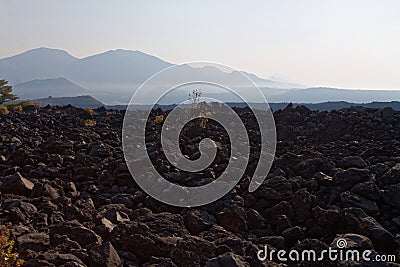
6, 92
194, 97
37, 105
8, 256
4, 110
90, 110
110, 112
201, 107
24, 103
89, 123
17, 108
159, 119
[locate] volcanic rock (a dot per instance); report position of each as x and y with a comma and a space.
351, 177
353, 162
104, 255
354, 200
76, 232
233, 219
227, 259
367, 189
67, 190
354, 241
199, 220
33, 241
44, 190
16, 184
359, 222
192, 250
392, 196
392, 176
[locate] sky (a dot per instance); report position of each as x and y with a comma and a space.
341, 43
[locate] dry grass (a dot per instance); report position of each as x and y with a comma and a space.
37, 105
110, 112
158, 119
4, 110
89, 123
8, 256
18, 108
90, 110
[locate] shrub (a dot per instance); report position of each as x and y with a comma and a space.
24, 103
4, 110
37, 105
159, 119
90, 110
17, 108
200, 107
110, 112
8, 256
89, 123
17, 105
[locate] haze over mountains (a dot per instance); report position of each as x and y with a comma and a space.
113, 76
41, 88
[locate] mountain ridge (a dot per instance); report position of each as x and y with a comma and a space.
55, 87
76, 101
114, 75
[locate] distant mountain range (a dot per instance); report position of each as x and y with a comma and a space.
325, 106
113, 76
88, 101
57, 87
317, 95
77, 101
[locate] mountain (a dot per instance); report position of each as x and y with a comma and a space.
116, 66
324, 106
115, 74
270, 83
322, 94
58, 87
77, 101
38, 63
328, 106
112, 76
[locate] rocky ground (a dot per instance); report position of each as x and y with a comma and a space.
72, 202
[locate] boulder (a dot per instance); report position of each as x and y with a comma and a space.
104, 255
353, 162
350, 177
353, 241
368, 190
77, 232
192, 251
33, 241
392, 176
16, 184
354, 200
198, 221
391, 196
227, 259
328, 219
233, 219
360, 223
44, 190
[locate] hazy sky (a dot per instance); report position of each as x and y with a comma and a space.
340, 43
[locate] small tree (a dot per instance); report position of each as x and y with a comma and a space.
6, 92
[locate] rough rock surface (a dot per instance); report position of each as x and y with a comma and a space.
70, 197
